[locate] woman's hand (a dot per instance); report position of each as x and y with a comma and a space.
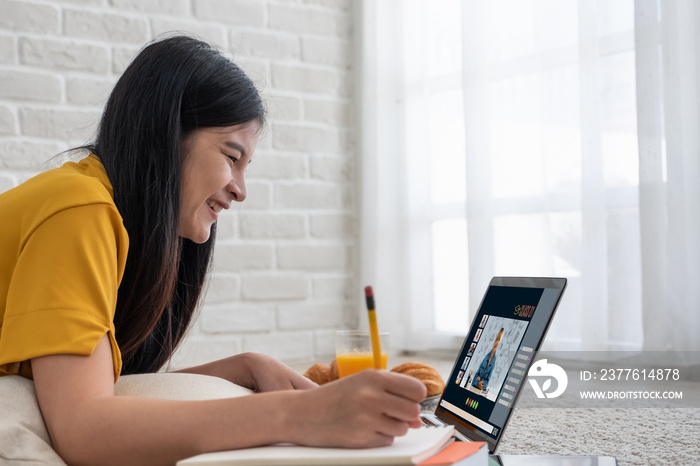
265, 374
367, 409
255, 371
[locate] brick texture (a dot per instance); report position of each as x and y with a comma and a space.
283, 275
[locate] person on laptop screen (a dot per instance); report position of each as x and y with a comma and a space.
483, 374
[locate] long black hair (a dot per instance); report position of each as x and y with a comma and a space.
171, 88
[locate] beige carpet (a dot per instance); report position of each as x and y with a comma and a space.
635, 436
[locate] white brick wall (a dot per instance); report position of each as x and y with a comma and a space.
284, 269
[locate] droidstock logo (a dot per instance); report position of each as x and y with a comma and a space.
543, 370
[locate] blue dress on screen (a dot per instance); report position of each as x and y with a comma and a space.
484, 371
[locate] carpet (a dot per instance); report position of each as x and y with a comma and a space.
635, 436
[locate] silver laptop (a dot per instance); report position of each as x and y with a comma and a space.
491, 368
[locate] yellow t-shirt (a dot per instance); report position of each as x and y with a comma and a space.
63, 250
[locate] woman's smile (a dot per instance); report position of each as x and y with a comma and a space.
215, 207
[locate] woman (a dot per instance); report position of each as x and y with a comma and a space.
483, 374
102, 265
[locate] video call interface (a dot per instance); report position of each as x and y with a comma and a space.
496, 356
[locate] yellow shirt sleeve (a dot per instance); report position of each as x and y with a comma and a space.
63, 291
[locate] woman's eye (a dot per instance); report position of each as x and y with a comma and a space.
232, 158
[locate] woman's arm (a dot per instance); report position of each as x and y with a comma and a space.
89, 425
255, 371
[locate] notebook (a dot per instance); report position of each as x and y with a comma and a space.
413, 448
492, 365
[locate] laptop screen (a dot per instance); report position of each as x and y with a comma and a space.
492, 366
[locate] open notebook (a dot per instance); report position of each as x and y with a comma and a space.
411, 449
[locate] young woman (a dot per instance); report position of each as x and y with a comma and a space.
483, 374
102, 264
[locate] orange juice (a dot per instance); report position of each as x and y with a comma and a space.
355, 361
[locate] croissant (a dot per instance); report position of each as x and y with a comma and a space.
429, 376
319, 373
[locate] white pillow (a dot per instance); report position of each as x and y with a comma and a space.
23, 435
177, 386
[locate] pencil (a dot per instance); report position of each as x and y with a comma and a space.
373, 330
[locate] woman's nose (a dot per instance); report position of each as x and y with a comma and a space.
237, 189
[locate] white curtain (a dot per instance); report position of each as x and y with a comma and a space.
668, 101
542, 137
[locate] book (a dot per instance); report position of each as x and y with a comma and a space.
411, 449
460, 454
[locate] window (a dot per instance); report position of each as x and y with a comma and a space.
510, 145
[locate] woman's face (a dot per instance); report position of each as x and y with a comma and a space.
213, 175
497, 341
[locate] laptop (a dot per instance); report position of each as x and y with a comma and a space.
492, 366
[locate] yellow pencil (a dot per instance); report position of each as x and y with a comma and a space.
373, 329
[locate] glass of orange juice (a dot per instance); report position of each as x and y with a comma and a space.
353, 351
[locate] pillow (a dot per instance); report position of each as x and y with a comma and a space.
177, 386
23, 435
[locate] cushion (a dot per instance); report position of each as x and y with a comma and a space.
23, 435
177, 386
